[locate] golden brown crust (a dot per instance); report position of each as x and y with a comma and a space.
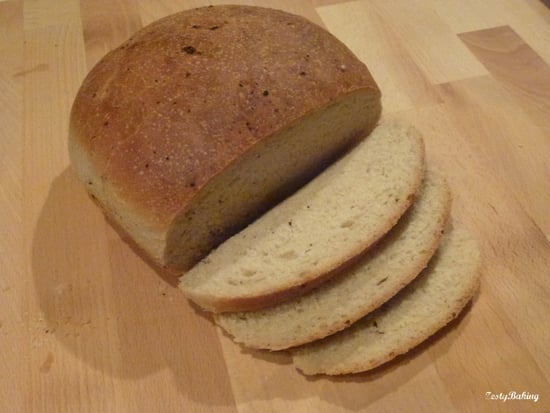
171, 108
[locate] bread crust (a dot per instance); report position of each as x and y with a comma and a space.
162, 115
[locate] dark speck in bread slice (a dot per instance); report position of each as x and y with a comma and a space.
430, 302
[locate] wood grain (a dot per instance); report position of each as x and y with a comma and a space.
429, 40
376, 43
12, 258
87, 326
106, 24
515, 65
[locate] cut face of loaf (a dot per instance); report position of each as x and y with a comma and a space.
426, 305
266, 174
393, 263
198, 124
324, 226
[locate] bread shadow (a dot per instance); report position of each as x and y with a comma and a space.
120, 316
167, 276
390, 376
404, 359
113, 311
347, 391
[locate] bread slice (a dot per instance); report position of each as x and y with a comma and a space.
325, 225
197, 124
426, 305
341, 301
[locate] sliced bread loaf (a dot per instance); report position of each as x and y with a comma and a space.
426, 305
325, 225
341, 301
197, 124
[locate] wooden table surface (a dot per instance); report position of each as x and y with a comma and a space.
86, 325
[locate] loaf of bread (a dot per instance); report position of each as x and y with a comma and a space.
205, 119
422, 308
311, 235
233, 145
387, 268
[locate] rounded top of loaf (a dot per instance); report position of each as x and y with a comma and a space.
161, 115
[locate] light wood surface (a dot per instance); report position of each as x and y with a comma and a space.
86, 325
